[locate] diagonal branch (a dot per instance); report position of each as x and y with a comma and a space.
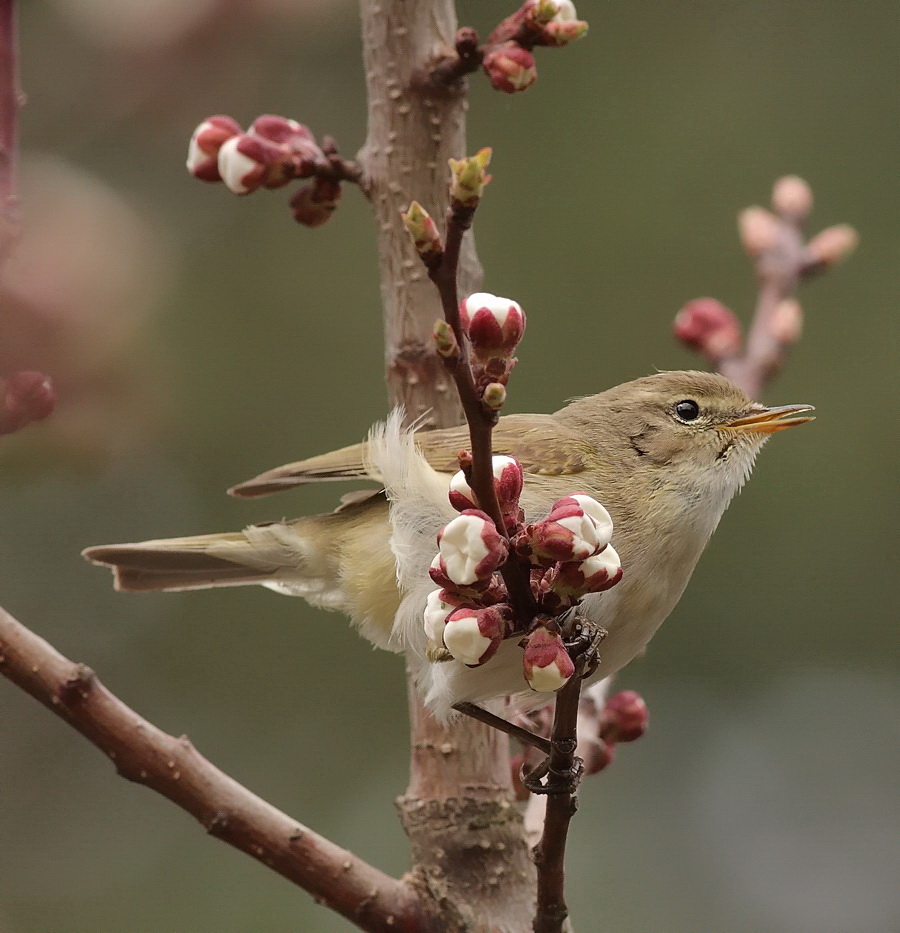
172, 767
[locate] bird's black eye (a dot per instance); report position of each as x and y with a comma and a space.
687, 409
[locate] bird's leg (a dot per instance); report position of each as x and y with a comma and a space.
582, 638
504, 725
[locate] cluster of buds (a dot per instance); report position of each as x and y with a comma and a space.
25, 397
494, 327
271, 153
567, 555
775, 242
508, 60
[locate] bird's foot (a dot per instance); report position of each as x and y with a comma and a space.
582, 641
543, 779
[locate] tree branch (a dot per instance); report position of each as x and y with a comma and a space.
174, 768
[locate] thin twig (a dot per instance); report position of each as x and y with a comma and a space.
174, 768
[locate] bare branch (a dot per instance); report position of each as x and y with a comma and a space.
174, 768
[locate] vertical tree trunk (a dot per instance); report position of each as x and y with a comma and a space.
465, 832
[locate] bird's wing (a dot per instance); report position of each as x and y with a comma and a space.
540, 443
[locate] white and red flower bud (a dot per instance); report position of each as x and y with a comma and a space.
439, 604
508, 482
792, 198
576, 528
300, 153
494, 325
248, 162
758, 229
510, 68
547, 663
206, 141
624, 717
471, 548
474, 635
709, 327
594, 575
314, 204
832, 245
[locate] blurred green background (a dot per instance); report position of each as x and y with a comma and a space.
199, 338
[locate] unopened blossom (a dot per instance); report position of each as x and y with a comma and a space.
315, 203
508, 481
468, 178
832, 245
758, 229
472, 636
439, 604
424, 232
25, 397
792, 198
471, 548
494, 325
786, 322
206, 141
598, 573
547, 663
625, 717
445, 342
577, 527
510, 68
248, 162
708, 326
494, 396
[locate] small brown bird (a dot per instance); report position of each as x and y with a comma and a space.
664, 454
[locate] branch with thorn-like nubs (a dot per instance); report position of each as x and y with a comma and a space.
507, 57
783, 259
499, 577
271, 154
174, 768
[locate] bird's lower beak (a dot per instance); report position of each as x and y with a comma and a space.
769, 420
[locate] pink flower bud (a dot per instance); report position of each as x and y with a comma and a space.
206, 141
471, 548
547, 663
624, 718
510, 68
494, 325
786, 323
314, 204
792, 198
758, 230
832, 245
283, 131
598, 756
474, 635
576, 528
27, 397
247, 162
599, 572
558, 33
707, 326
508, 481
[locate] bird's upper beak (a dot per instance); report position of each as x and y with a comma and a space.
769, 420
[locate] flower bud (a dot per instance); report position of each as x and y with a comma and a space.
832, 245
786, 322
624, 717
283, 131
565, 11
599, 572
558, 33
792, 198
576, 528
597, 756
508, 482
758, 230
438, 605
494, 325
206, 141
423, 230
707, 326
314, 204
444, 339
468, 177
27, 397
510, 68
494, 396
471, 548
547, 663
474, 635
247, 162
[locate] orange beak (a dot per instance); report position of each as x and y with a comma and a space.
769, 420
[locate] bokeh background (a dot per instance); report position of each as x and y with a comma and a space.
197, 338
